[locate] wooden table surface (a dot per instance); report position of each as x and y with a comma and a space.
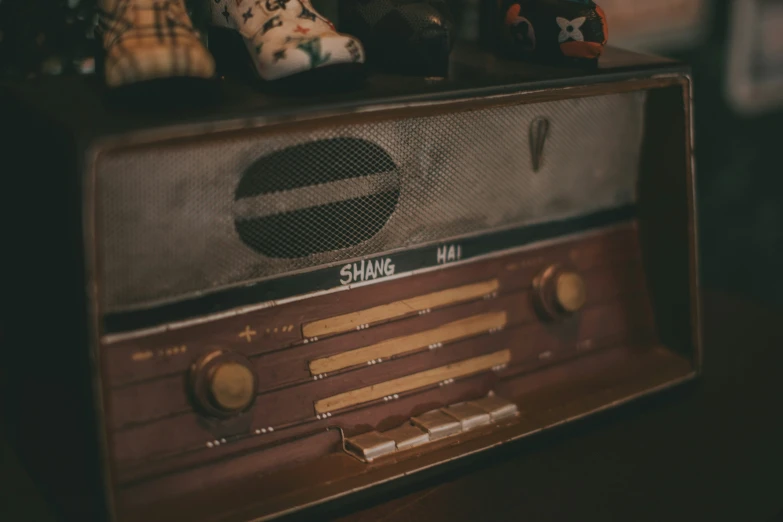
710, 451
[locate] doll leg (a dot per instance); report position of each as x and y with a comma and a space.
286, 37
150, 40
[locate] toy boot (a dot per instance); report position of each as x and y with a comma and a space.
553, 30
284, 38
147, 40
414, 37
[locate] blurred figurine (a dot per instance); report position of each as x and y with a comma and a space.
553, 30
60, 42
150, 40
285, 37
413, 37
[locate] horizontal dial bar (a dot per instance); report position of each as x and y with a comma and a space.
351, 321
412, 382
452, 331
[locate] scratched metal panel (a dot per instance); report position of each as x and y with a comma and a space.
186, 219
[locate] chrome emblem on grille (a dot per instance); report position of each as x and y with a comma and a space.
539, 129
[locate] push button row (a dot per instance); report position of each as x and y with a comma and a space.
431, 426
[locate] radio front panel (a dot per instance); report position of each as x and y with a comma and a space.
438, 285
367, 356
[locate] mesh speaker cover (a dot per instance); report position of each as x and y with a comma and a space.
183, 219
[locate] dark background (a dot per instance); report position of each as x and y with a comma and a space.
709, 452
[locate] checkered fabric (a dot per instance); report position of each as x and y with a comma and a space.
150, 39
286, 37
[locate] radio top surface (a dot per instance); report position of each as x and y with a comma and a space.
80, 103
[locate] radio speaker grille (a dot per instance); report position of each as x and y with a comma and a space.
178, 220
340, 202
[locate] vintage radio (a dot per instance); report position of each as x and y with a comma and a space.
285, 299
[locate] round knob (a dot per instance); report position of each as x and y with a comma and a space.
223, 383
559, 292
232, 386
570, 291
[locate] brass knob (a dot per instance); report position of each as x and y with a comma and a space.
570, 291
232, 386
223, 383
559, 292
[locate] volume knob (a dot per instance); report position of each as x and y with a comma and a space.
223, 383
559, 292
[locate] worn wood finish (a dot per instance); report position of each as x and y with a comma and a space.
310, 446
164, 447
562, 391
388, 415
280, 326
180, 430
263, 460
188, 432
134, 404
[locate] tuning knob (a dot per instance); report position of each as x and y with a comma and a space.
223, 383
558, 292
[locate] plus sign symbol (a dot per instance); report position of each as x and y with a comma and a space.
247, 333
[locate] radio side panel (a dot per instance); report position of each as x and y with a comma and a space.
49, 411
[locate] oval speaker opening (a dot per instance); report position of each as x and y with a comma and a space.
317, 197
